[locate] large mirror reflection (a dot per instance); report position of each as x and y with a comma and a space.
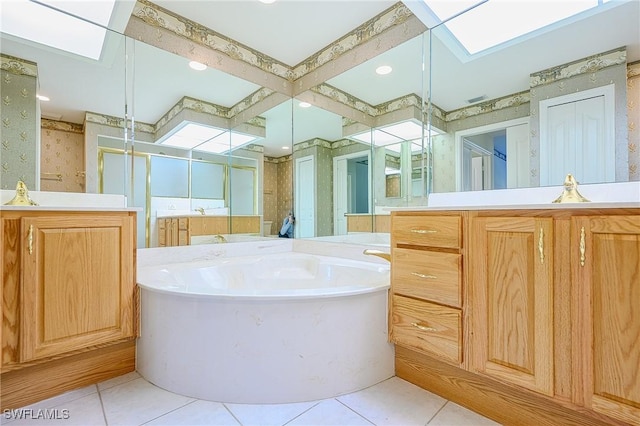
376, 112
526, 111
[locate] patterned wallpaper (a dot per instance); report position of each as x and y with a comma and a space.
62, 157
588, 73
285, 191
19, 116
633, 114
270, 188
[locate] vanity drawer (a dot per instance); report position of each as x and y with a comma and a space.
432, 231
428, 275
427, 327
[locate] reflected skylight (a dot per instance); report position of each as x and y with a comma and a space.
43, 25
190, 135
393, 134
199, 137
223, 143
494, 22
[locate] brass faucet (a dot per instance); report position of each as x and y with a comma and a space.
219, 238
570, 192
22, 196
201, 210
378, 253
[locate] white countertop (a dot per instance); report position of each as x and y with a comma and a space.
601, 196
70, 209
549, 206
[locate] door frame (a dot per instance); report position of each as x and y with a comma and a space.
335, 182
461, 134
312, 182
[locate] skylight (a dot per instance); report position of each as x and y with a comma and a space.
494, 22
44, 25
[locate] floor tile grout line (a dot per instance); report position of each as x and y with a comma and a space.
170, 411
104, 413
305, 411
231, 412
122, 383
437, 412
359, 414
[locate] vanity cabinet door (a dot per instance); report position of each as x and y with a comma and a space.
606, 262
512, 300
162, 232
78, 282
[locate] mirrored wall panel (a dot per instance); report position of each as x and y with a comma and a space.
517, 113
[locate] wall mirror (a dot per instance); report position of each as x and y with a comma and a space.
520, 114
420, 126
49, 133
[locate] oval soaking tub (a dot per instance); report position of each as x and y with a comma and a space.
275, 328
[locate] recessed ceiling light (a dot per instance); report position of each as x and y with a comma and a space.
43, 98
197, 66
304, 104
267, 1
285, 147
383, 70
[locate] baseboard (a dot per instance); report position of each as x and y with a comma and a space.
505, 404
35, 383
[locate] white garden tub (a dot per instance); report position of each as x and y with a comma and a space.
274, 328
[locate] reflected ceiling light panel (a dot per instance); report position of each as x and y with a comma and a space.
197, 66
395, 133
285, 147
43, 98
190, 135
383, 70
267, 1
380, 138
44, 25
525, 17
225, 142
304, 104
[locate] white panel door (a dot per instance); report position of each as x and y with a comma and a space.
518, 156
577, 137
477, 177
340, 196
305, 198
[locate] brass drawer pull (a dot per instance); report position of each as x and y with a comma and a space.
582, 247
30, 239
541, 245
430, 277
423, 231
423, 327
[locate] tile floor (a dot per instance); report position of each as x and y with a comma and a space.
131, 400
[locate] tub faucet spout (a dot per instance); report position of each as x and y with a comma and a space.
201, 210
378, 253
219, 238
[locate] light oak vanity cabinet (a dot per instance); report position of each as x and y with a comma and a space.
427, 282
606, 268
173, 231
178, 230
549, 306
512, 299
68, 300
